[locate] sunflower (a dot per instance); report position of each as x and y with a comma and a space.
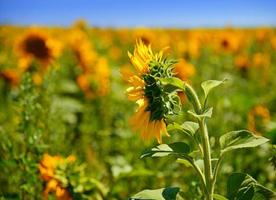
12, 76
82, 49
241, 62
154, 104
95, 81
47, 168
258, 118
36, 44
184, 70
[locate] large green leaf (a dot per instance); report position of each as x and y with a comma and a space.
242, 186
169, 193
208, 85
187, 127
179, 149
240, 139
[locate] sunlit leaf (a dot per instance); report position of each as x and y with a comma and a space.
208, 85
187, 127
172, 83
177, 148
240, 139
169, 193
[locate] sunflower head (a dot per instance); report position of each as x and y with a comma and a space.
36, 44
155, 102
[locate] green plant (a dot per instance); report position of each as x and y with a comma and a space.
240, 186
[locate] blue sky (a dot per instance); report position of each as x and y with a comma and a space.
133, 13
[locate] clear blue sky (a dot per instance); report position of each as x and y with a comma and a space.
132, 13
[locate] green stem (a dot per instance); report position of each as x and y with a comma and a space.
216, 170
193, 98
207, 157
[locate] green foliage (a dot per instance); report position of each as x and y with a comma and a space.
241, 186
169, 193
240, 139
209, 85
179, 149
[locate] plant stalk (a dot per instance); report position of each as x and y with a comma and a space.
193, 98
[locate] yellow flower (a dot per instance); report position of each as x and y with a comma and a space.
36, 44
145, 119
82, 49
261, 60
184, 70
47, 167
95, 82
273, 42
12, 76
148, 128
141, 57
242, 62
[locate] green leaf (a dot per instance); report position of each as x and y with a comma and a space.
208, 113
184, 162
240, 139
178, 148
187, 127
169, 193
172, 83
207, 86
219, 197
242, 186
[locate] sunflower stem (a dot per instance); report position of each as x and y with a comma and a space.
193, 98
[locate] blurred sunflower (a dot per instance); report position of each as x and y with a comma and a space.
184, 70
81, 46
36, 44
147, 91
94, 78
47, 168
95, 82
241, 62
12, 76
258, 117
261, 60
229, 41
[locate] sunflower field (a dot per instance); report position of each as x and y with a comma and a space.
83, 109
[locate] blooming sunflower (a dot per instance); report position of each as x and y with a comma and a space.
36, 44
154, 104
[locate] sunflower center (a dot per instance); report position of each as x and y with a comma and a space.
37, 47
